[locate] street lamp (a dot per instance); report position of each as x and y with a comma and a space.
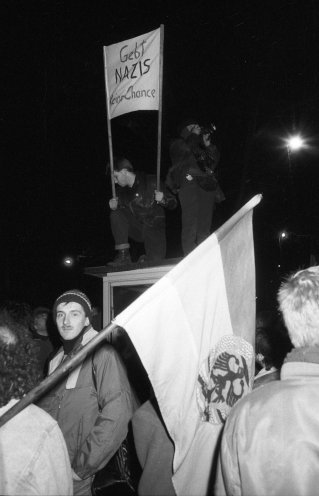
294, 143
283, 235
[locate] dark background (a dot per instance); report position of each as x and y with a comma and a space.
250, 67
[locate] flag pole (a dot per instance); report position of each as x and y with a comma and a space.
229, 224
109, 129
160, 99
60, 372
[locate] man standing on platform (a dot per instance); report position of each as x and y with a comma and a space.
192, 177
137, 213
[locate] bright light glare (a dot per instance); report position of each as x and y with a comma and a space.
68, 261
295, 143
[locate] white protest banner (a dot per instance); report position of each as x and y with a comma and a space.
132, 74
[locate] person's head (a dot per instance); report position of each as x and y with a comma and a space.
19, 366
272, 341
72, 313
298, 299
189, 126
40, 318
123, 172
20, 311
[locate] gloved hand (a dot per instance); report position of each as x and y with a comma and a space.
159, 196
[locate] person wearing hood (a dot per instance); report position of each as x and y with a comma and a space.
93, 404
192, 177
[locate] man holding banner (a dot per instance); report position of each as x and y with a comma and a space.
133, 81
137, 212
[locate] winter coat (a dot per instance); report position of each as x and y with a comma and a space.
140, 200
270, 443
92, 436
190, 157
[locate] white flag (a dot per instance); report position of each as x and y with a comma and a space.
194, 332
132, 74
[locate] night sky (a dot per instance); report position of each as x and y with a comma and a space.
250, 67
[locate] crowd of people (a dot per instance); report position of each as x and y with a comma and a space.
58, 444
34, 458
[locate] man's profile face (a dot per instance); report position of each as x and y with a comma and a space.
121, 177
70, 319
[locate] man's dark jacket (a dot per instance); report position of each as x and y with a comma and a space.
140, 200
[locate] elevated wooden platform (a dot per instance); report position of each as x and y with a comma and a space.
132, 275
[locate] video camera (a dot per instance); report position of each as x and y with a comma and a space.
210, 130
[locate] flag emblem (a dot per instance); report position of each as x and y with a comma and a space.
224, 378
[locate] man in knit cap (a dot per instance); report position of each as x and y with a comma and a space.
93, 404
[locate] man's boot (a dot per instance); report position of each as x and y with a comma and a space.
121, 259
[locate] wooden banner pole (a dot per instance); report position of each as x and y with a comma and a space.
160, 97
109, 129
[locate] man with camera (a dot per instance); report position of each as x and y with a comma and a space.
192, 176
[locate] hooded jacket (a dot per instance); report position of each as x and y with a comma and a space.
190, 156
94, 421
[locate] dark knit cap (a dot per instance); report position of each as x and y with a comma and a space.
78, 297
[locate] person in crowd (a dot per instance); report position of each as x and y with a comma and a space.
45, 344
97, 318
20, 311
93, 404
271, 346
155, 451
270, 442
192, 176
137, 213
33, 455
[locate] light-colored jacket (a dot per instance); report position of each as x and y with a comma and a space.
270, 444
94, 421
33, 455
